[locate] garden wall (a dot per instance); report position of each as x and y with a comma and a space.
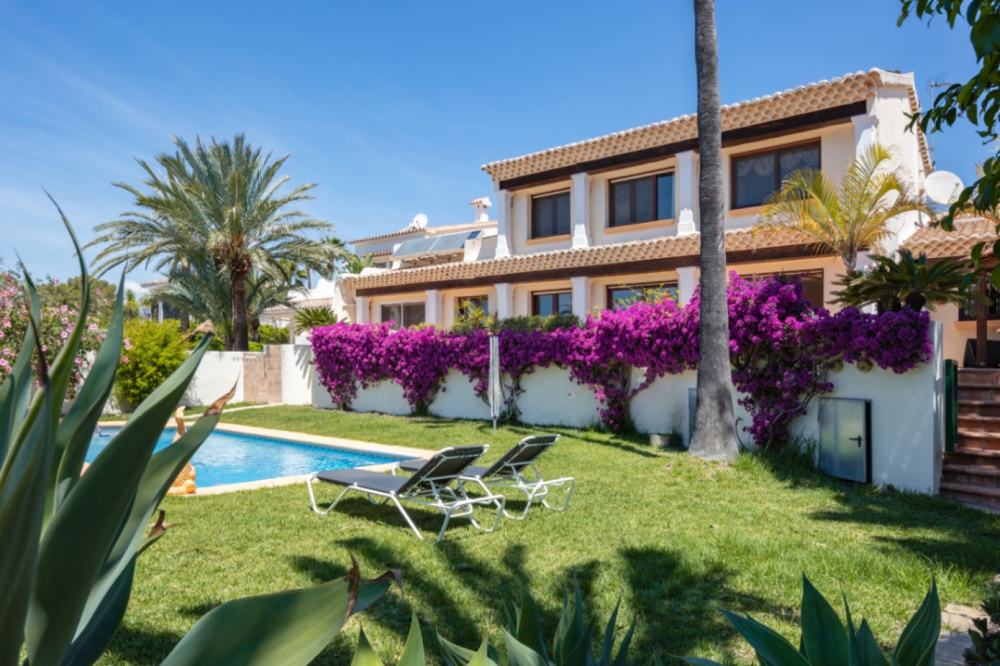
907, 410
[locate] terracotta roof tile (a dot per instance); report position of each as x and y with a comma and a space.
847, 89
431, 231
597, 255
935, 242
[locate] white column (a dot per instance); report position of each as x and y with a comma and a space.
581, 296
503, 222
505, 300
865, 133
687, 282
687, 192
361, 309
432, 311
580, 209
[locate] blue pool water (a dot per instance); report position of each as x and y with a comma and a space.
227, 457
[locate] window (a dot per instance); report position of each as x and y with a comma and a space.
812, 283
968, 313
550, 215
642, 199
622, 296
465, 303
758, 175
405, 314
549, 303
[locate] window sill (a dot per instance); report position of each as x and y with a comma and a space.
549, 239
640, 226
749, 210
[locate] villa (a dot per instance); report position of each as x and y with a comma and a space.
586, 225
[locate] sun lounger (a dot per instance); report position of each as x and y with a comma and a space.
512, 471
435, 483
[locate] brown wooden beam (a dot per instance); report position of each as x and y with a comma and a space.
774, 129
602, 270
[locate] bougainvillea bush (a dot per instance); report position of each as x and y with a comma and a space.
782, 349
57, 320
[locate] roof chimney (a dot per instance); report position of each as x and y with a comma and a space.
482, 208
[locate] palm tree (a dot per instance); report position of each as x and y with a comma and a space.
847, 220
909, 282
354, 264
337, 255
714, 435
203, 290
131, 305
223, 197
263, 293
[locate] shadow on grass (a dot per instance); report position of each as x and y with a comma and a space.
142, 647
677, 607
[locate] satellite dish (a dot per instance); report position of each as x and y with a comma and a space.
419, 222
943, 187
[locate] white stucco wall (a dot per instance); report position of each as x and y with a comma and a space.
385, 397
458, 399
551, 398
296, 375
216, 374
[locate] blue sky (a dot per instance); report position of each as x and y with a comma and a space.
391, 108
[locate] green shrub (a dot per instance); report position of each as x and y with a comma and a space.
272, 335
150, 353
536, 323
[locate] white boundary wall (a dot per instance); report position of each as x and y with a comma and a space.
214, 378
907, 410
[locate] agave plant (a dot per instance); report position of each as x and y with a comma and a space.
572, 644
826, 642
908, 281
306, 319
69, 540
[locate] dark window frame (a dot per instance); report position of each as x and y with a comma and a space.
536, 295
402, 313
809, 273
610, 303
776, 151
483, 299
533, 223
655, 192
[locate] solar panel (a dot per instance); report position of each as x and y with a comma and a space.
414, 247
450, 243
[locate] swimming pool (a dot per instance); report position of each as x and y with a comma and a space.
228, 457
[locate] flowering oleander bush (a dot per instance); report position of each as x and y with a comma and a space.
57, 320
782, 349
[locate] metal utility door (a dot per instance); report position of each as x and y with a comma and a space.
845, 438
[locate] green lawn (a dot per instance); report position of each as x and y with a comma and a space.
189, 411
675, 537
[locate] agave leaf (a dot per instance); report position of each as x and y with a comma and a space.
22, 502
413, 651
565, 622
91, 641
76, 544
869, 652
364, 655
529, 626
163, 468
622, 658
696, 661
452, 654
481, 657
519, 654
62, 366
823, 636
571, 630
582, 654
917, 643
15, 393
77, 427
769, 644
283, 629
608, 645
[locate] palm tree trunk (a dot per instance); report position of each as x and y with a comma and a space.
714, 434
241, 340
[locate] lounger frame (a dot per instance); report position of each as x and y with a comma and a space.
431, 490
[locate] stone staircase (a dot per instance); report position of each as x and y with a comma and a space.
971, 473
